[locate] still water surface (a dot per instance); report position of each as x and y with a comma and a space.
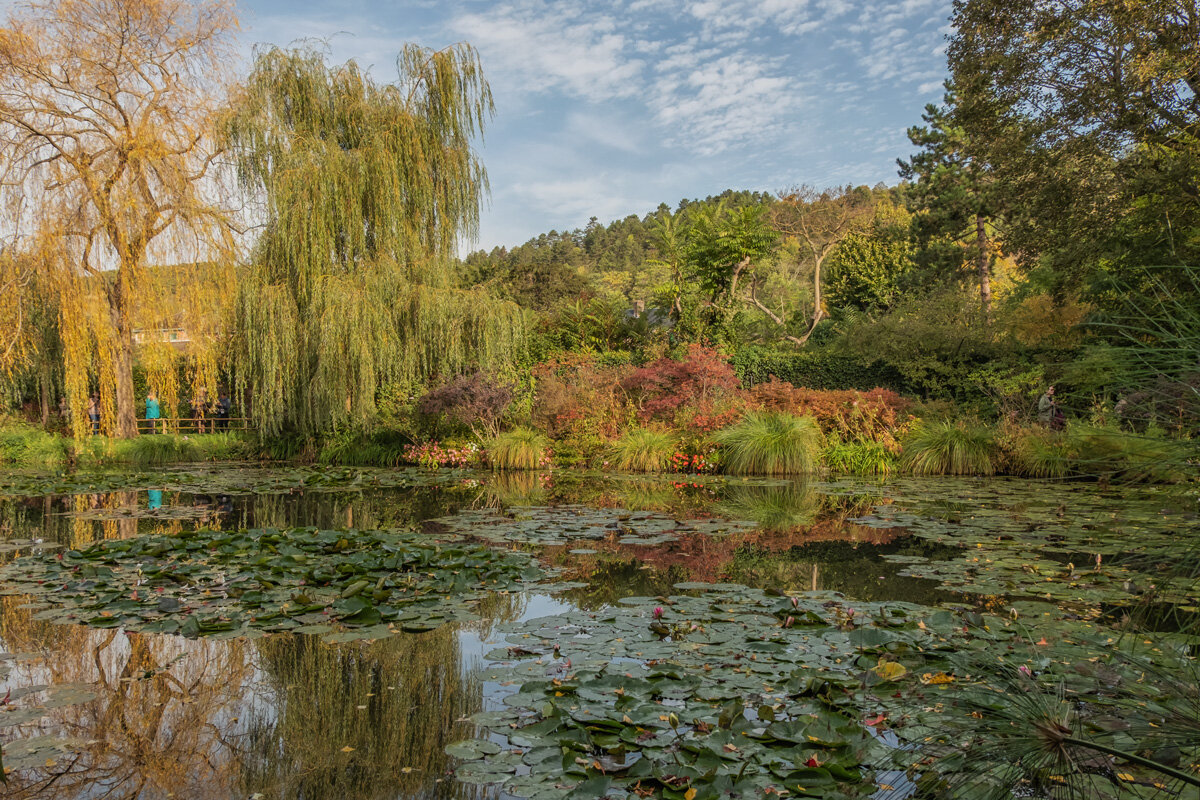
104, 713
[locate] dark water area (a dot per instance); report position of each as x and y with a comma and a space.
96, 713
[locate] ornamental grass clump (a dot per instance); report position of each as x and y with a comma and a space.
643, 450
859, 458
948, 448
770, 443
520, 448
27, 446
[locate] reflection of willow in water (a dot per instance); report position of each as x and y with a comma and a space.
360, 720
158, 723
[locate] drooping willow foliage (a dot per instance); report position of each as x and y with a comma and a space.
366, 189
108, 172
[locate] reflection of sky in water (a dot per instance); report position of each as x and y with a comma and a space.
236, 704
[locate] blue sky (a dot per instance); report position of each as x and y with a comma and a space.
609, 108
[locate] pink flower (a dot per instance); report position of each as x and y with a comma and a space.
1026, 671
658, 612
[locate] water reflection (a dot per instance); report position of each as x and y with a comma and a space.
284, 716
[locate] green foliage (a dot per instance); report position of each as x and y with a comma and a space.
518, 449
26, 446
816, 369
1119, 455
948, 448
770, 443
859, 458
157, 450
866, 271
367, 187
382, 448
643, 450
1040, 453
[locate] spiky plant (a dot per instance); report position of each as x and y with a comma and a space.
948, 448
1040, 453
770, 443
643, 450
1104, 452
859, 458
519, 448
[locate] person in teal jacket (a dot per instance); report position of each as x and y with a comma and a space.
152, 411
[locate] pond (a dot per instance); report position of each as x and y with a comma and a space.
554, 634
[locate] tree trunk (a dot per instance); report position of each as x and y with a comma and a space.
44, 393
118, 308
982, 260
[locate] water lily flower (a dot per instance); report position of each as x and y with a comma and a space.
1026, 671
658, 612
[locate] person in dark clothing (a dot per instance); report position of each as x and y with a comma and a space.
224, 404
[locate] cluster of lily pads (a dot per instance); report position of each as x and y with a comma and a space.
224, 479
556, 525
740, 693
242, 582
1071, 545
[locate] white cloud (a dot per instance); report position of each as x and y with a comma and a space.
541, 48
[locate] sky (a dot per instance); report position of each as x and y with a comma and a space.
610, 108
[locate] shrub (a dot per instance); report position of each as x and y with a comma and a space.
577, 396
663, 387
877, 415
379, 449
770, 443
474, 401
1034, 453
643, 450
948, 448
816, 369
519, 449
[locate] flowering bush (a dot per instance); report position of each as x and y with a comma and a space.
683, 462
433, 455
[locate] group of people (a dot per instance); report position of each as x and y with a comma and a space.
208, 416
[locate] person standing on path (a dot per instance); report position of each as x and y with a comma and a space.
93, 412
152, 411
1049, 413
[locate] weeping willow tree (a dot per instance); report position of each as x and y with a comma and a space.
366, 188
106, 111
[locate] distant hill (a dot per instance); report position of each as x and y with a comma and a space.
620, 259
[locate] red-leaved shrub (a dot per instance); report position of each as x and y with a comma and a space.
874, 416
475, 401
663, 387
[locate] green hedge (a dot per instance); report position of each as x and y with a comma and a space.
815, 369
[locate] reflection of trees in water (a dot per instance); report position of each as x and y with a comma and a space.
369, 509
852, 568
158, 724
396, 702
609, 579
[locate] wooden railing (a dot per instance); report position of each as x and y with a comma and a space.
194, 425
